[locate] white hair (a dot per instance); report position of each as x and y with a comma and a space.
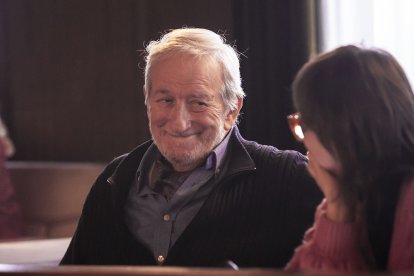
200, 43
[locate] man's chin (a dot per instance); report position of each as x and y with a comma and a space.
184, 160
181, 159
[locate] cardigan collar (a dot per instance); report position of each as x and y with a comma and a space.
239, 161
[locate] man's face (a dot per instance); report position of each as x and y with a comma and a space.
187, 118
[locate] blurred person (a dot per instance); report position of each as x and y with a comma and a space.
197, 194
356, 118
10, 216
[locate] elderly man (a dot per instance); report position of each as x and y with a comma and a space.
197, 194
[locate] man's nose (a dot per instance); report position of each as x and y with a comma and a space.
180, 117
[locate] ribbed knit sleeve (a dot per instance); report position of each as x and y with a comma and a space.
328, 245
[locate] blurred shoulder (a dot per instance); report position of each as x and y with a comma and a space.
270, 154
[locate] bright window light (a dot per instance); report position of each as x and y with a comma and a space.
386, 24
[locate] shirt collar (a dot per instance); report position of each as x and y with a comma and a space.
215, 159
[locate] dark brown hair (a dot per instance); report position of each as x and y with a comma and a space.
360, 104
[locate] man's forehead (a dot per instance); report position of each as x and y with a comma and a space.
198, 94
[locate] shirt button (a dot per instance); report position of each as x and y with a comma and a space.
166, 217
160, 259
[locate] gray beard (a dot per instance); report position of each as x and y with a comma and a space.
195, 157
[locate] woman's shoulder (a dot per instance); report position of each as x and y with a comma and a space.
407, 194
402, 250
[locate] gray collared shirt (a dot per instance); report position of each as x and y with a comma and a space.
158, 223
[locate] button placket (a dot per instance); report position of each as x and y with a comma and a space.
160, 259
166, 217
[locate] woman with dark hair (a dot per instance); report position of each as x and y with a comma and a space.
356, 119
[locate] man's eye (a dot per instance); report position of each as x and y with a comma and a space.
165, 100
198, 106
200, 103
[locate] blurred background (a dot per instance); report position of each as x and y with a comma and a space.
71, 72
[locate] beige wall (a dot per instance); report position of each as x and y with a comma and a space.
51, 195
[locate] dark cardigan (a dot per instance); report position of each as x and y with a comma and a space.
255, 216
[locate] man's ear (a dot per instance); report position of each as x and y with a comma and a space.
145, 94
232, 115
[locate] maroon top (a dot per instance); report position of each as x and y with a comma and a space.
10, 216
330, 245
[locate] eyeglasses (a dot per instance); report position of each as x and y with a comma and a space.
294, 124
